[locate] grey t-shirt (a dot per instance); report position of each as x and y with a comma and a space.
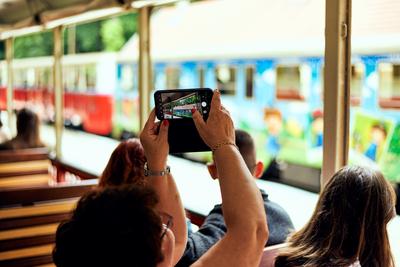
214, 228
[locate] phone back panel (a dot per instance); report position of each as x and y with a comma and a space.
183, 137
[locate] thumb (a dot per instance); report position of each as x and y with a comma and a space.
163, 133
198, 122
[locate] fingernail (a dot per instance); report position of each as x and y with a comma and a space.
193, 110
166, 123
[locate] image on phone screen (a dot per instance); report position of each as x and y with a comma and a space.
178, 105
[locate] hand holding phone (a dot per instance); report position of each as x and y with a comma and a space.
219, 128
179, 103
177, 107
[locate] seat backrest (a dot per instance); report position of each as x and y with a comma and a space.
27, 233
25, 167
269, 254
26, 154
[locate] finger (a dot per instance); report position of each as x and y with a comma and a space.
216, 100
225, 110
198, 121
163, 133
150, 121
155, 128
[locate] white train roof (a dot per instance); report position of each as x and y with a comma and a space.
219, 29
72, 59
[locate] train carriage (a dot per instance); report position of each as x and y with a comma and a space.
266, 57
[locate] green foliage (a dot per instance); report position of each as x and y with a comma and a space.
115, 32
88, 37
112, 34
129, 24
2, 50
108, 34
34, 45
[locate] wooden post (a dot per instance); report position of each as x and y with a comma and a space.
10, 83
145, 68
337, 87
58, 88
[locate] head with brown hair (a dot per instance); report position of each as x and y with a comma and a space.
28, 135
349, 223
125, 165
112, 226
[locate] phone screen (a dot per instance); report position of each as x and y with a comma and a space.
178, 104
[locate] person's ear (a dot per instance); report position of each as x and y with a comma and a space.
212, 169
258, 169
167, 249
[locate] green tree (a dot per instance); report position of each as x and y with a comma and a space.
88, 37
129, 24
2, 50
112, 34
34, 45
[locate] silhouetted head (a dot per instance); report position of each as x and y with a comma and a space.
245, 144
27, 130
349, 222
113, 226
126, 164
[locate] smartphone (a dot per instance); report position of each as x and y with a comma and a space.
179, 103
176, 106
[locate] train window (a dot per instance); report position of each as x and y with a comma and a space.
91, 77
172, 75
202, 78
69, 78
356, 83
389, 85
127, 78
81, 82
288, 83
19, 77
3, 75
226, 79
48, 74
30, 78
249, 81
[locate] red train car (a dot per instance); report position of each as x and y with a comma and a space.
88, 80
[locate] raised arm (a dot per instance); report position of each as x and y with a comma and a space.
242, 204
156, 149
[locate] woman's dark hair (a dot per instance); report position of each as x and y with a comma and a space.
349, 223
113, 226
27, 131
125, 165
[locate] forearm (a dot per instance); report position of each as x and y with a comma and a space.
170, 203
243, 206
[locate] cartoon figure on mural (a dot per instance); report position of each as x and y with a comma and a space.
378, 134
274, 122
317, 128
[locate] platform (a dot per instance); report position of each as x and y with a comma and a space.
198, 191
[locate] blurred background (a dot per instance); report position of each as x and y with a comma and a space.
266, 57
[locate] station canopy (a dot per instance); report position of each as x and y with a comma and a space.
18, 17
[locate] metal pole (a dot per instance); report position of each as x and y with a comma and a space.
10, 82
58, 88
337, 87
145, 82
72, 39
